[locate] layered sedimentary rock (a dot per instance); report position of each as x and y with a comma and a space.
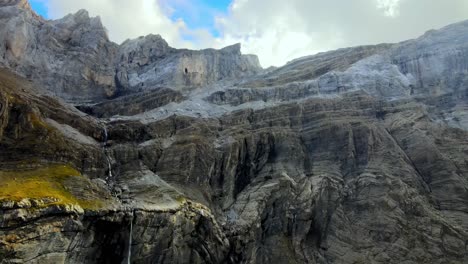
148, 63
74, 59
351, 156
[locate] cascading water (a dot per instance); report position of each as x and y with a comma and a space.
109, 165
105, 136
129, 256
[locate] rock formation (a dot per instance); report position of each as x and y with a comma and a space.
149, 63
73, 58
358, 155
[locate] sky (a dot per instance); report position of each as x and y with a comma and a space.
277, 31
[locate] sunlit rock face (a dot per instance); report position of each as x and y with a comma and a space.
149, 63
73, 58
358, 155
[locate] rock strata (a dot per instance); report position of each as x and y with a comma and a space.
358, 155
74, 59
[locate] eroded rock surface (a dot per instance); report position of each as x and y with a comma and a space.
74, 59
149, 62
352, 156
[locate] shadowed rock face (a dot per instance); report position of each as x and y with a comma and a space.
351, 156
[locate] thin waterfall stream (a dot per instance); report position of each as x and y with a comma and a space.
104, 146
109, 177
130, 238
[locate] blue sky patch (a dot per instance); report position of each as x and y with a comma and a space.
40, 7
199, 14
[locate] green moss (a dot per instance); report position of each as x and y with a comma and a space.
181, 199
43, 182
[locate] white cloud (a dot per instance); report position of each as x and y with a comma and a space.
126, 19
277, 30
391, 8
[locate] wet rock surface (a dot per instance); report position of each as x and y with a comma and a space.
352, 156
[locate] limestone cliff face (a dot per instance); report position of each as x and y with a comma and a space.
436, 60
73, 58
358, 155
149, 63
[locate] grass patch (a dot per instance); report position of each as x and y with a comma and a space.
180, 199
44, 182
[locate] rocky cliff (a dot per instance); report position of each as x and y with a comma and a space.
73, 58
358, 155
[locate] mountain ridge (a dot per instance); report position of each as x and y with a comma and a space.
142, 153
38, 49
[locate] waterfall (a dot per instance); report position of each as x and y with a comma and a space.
105, 136
130, 237
109, 165
104, 144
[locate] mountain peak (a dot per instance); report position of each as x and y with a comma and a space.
141, 152
24, 4
235, 48
21, 5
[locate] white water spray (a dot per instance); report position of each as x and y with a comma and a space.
109, 164
105, 136
129, 257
